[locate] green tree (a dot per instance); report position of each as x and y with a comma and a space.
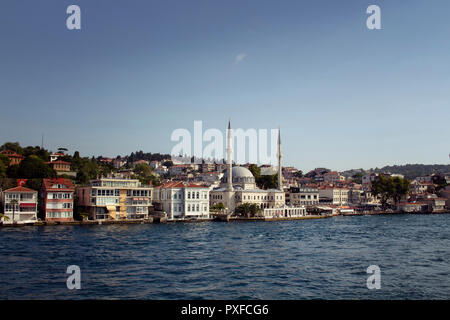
390, 188
143, 170
34, 167
168, 163
13, 146
5, 160
255, 170
13, 171
217, 207
357, 177
2, 170
88, 170
247, 209
267, 182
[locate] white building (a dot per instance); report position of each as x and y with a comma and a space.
335, 196
181, 200
20, 205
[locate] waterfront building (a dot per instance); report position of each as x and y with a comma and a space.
333, 195
57, 199
238, 185
20, 204
434, 203
14, 157
181, 200
115, 198
412, 207
302, 196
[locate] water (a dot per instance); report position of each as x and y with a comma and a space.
309, 259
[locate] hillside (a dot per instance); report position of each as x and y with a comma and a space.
410, 171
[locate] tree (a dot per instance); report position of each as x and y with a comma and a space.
13, 146
143, 170
5, 160
357, 177
267, 182
2, 170
168, 163
12, 171
217, 207
34, 167
255, 170
247, 209
390, 188
87, 170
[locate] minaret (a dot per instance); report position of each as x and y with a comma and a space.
280, 174
229, 158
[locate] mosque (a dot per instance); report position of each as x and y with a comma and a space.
238, 185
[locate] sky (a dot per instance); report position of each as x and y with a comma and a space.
344, 96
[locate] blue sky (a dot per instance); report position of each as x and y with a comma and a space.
344, 96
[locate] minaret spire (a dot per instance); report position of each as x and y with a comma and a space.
280, 174
229, 158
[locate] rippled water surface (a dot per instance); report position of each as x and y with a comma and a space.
310, 259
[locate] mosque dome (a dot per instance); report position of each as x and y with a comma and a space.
240, 175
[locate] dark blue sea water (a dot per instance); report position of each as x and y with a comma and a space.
309, 259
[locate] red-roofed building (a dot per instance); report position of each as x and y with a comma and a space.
182, 200
13, 156
59, 165
57, 199
19, 205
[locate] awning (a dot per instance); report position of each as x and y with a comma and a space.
28, 205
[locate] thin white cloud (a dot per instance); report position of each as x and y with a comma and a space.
240, 57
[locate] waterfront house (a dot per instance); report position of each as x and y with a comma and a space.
20, 204
182, 200
115, 198
302, 196
333, 195
57, 199
412, 207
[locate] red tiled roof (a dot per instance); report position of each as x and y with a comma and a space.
12, 154
20, 189
48, 183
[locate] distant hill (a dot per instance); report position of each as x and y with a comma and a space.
410, 171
